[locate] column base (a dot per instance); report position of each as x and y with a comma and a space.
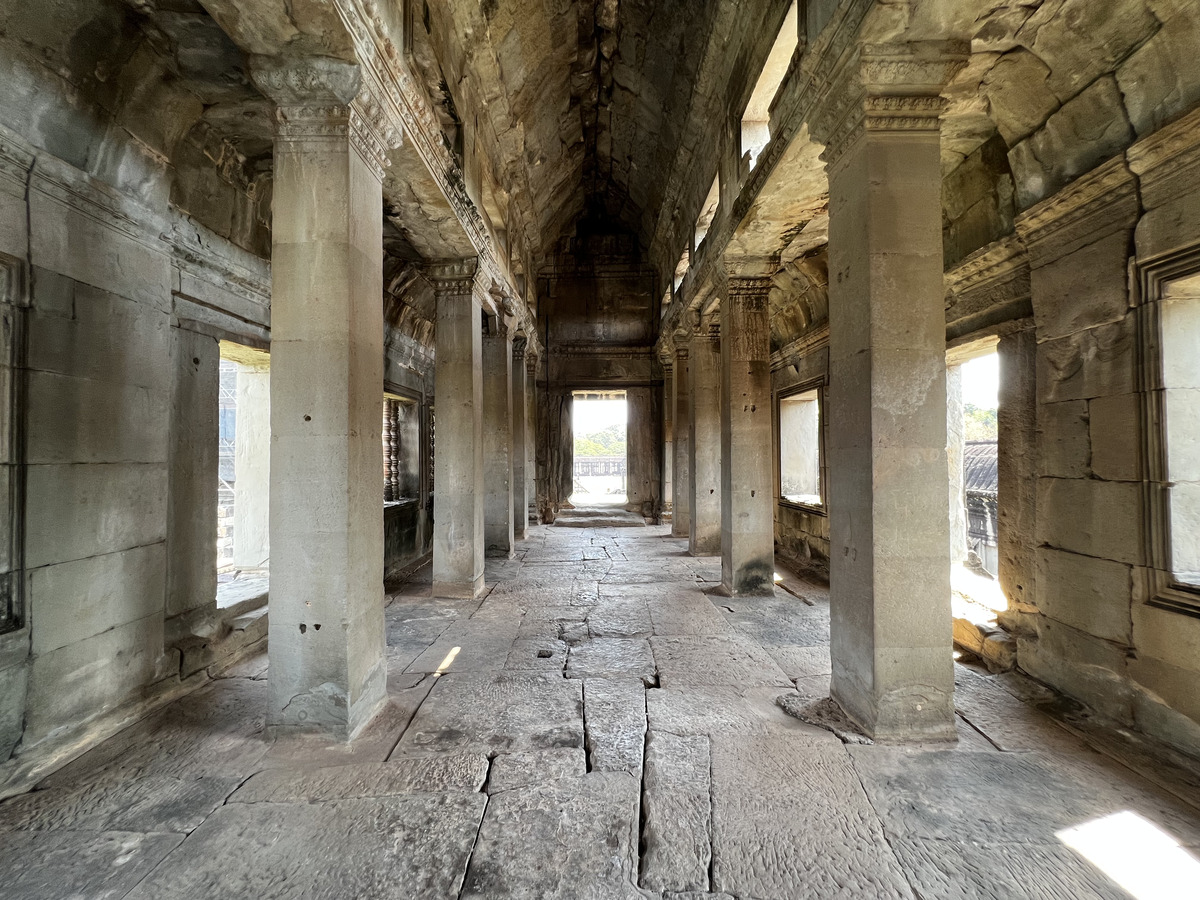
453, 590
916, 713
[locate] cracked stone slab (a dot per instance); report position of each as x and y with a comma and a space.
97, 865
615, 724
420, 775
414, 845
677, 819
710, 659
470, 646
156, 803
717, 709
990, 797
612, 658
687, 613
614, 618
502, 713
516, 770
802, 662
569, 839
780, 621
942, 870
548, 655
549, 622
791, 820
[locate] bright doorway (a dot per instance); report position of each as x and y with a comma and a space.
599, 426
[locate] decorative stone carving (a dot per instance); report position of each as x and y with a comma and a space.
453, 278
886, 87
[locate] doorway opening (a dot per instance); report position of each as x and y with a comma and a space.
973, 431
599, 428
244, 474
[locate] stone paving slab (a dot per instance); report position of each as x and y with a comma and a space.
614, 713
516, 770
687, 613
569, 839
612, 658
714, 659
85, 864
423, 775
470, 646
619, 617
677, 813
790, 820
947, 870
546, 655
489, 714
995, 797
155, 803
416, 845
718, 709
802, 662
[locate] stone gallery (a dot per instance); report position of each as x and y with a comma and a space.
533, 449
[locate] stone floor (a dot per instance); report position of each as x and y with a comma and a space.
603, 725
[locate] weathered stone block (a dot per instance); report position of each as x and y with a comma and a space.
1167, 636
1157, 80
82, 680
1090, 594
14, 682
1085, 288
75, 600
1063, 447
1097, 362
1086, 667
1096, 518
77, 511
677, 824
1087, 130
1116, 435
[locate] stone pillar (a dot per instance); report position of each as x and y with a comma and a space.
747, 471
889, 487
498, 438
668, 436
252, 468
681, 514
531, 426
458, 543
328, 669
520, 432
704, 361
955, 453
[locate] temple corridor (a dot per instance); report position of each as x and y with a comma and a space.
604, 724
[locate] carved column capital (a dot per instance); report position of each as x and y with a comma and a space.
319, 99
453, 278
886, 88
752, 292
520, 342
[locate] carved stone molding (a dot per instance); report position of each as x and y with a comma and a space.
753, 293
1168, 161
1098, 203
886, 88
453, 278
519, 345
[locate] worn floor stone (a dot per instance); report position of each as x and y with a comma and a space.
791, 820
614, 724
594, 785
612, 658
102, 865
569, 839
396, 847
677, 818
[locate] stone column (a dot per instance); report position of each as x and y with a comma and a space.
520, 431
668, 436
531, 425
681, 514
747, 471
498, 438
458, 543
704, 361
1016, 449
889, 522
328, 669
252, 467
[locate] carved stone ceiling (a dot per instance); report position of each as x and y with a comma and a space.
580, 104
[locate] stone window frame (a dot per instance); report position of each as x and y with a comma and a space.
1162, 589
393, 448
804, 387
14, 301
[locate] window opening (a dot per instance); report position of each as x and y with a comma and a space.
599, 422
756, 121
401, 449
800, 453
